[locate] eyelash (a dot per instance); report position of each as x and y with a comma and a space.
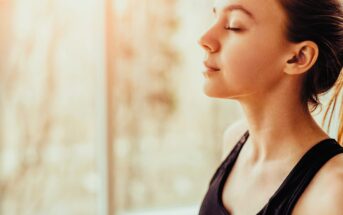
232, 29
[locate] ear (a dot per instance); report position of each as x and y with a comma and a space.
301, 58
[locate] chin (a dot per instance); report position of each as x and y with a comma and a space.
217, 93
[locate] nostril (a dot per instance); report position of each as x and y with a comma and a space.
206, 47
201, 43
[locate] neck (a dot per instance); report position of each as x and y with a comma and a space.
279, 129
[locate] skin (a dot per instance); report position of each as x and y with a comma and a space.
253, 70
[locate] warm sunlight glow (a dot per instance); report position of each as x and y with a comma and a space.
120, 6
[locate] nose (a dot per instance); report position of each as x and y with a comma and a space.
209, 43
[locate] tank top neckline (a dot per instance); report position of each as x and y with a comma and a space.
236, 150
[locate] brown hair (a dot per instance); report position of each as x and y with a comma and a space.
320, 21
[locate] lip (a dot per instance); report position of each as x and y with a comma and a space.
210, 67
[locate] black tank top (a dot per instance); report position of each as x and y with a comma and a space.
283, 200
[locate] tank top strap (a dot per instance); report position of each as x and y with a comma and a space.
285, 198
232, 156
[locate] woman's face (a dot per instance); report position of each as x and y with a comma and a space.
245, 48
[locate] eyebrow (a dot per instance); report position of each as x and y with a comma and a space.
235, 7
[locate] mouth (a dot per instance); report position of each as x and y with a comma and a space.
211, 68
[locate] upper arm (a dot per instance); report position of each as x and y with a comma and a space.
324, 194
232, 135
334, 197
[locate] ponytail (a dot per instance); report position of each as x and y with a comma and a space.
332, 105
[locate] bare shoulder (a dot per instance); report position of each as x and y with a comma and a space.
324, 195
232, 134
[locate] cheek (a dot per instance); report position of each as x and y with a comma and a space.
249, 64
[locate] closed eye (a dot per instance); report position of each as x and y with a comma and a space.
233, 29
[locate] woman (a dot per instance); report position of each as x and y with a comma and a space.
275, 57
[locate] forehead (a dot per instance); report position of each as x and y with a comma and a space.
262, 10
234, 7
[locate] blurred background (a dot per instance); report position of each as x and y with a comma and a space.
102, 109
